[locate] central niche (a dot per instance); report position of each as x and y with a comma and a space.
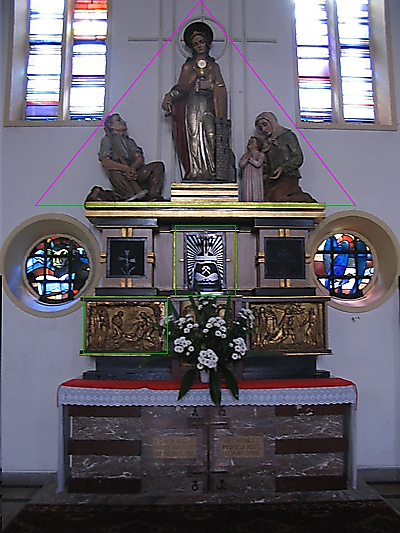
205, 258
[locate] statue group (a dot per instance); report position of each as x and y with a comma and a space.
269, 170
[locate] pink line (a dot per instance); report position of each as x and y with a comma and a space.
102, 122
124, 298
353, 204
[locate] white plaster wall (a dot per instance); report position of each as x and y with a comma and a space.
38, 354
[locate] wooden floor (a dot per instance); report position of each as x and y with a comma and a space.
19, 489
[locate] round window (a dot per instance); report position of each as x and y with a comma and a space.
57, 269
344, 265
356, 259
48, 262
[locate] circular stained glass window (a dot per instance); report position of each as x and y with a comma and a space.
344, 265
57, 269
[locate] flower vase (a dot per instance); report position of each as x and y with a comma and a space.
204, 376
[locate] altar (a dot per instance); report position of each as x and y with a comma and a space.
223, 255
135, 437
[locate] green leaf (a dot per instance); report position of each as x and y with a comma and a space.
215, 387
174, 311
231, 381
158, 326
195, 309
187, 382
227, 309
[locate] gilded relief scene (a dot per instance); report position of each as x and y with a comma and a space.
123, 326
290, 325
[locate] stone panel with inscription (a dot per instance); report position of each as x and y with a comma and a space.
228, 450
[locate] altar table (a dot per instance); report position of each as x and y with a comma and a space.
135, 436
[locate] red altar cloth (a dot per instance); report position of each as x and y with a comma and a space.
174, 384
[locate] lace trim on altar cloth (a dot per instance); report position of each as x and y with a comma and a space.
147, 397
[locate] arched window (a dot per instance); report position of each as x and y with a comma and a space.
58, 60
343, 68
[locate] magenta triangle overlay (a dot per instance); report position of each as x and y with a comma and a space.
352, 204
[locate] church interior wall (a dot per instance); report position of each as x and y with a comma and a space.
39, 353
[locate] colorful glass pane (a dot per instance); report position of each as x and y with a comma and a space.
315, 31
355, 60
47, 37
46, 22
88, 60
344, 265
57, 269
315, 92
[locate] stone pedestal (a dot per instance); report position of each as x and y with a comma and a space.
268, 447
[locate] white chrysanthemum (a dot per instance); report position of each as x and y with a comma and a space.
240, 346
208, 358
248, 316
183, 342
178, 348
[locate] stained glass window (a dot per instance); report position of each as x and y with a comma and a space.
335, 76
315, 91
344, 265
66, 69
43, 73
57, 269
88, 59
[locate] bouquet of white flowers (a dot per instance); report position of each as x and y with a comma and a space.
207, 341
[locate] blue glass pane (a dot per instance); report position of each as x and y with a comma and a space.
44, 59
312, 41
355, 61
57, 269
344, 265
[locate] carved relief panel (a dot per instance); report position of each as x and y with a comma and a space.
205, 260
128, 258
296, 325
123, 326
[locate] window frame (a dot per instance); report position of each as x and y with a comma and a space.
385, 249
381, 57
14, 108
20, 242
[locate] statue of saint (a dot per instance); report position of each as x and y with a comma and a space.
195, 102
130, 177
282, 158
